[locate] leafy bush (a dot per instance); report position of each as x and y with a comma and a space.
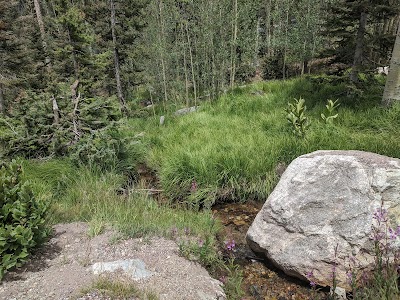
107, 149
245, 73
22, 218
273, 66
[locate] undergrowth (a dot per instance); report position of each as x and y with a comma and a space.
230, 148
22, 218
227, 151
117, 289
84, 194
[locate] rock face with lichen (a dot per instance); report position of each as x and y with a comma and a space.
326, 200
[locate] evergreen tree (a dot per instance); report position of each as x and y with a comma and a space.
360, 32
21, 66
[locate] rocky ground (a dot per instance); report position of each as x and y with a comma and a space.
63, 269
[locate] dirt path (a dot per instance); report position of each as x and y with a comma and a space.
64, 269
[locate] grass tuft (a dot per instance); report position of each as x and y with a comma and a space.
118, 289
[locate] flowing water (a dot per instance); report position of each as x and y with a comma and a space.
261, 280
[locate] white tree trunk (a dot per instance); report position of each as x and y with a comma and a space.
42, 31
392, 88
56, 111
2, 104
234, 43
192, 65
163, 49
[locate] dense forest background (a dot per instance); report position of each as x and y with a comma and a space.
92, 108
71, 67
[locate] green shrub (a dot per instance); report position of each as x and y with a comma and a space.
272, 67
22, 218
296, 116
330, 115
107, 150
30, 130
245, 73
100, 149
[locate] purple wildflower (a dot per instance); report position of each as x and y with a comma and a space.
378, 236
201, 243
381, 215
310, 277
333, 274
230, 245
193, 187
349, 276
223, 279
392, 234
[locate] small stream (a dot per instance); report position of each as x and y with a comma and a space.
261, 279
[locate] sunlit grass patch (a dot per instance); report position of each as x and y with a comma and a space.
93, 197
231, 147
118, 289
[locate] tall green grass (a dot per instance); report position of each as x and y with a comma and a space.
231, 147
228, 151
84, 194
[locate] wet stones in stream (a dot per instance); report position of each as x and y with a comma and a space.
261, 280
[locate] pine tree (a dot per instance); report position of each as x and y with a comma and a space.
20, 64
360, 33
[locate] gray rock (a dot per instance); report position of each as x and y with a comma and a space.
162, 120
383, 70
326, 199
186, 110
339, 293
135, 268
218, 291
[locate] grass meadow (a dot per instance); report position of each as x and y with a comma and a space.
228, 151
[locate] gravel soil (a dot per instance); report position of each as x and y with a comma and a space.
62, 269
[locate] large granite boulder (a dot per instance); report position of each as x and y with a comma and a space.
326, 200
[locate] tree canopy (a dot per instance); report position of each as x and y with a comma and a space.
76, 63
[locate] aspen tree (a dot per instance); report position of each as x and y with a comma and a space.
392, 87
